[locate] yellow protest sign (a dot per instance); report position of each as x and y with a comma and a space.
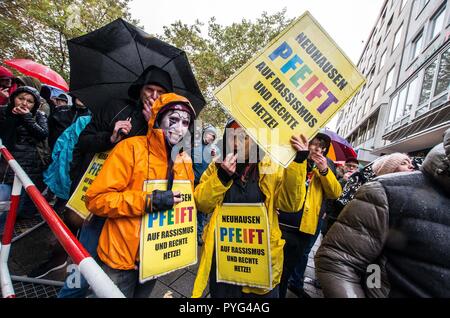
242, 245
168, 238
296, 84
77, 201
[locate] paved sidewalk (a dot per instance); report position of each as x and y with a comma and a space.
29, 251
180, 283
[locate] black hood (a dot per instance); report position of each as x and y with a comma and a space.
152, 75
437, 163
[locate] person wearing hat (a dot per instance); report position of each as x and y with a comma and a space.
299, 228
350, 167
396, 162
203, 155
64, 115
392, 239
7, 85
122, 119
23, 127
126, 117
117, 193
61, 100
34, 82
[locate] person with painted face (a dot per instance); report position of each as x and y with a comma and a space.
117, 192
122, 119
299, 228
23, 127
245, 175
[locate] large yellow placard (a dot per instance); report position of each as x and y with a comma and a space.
295, 85
77, 201
168, 238
243, 246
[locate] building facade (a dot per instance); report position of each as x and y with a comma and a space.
404, 105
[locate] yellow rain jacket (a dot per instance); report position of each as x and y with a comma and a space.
283, 189
320, 187
117, 192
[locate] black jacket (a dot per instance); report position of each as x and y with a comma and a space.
61, 118
400, 222
96, 136
23, 135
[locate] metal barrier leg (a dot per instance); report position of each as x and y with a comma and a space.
102, 285
5, 277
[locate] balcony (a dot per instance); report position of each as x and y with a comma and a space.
425, 119
422, 132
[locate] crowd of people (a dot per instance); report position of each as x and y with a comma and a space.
392, 213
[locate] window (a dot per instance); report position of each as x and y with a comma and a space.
416, 46
371, 73
389, 79
420, 4
437, 22
412, 93
443, 80
371, 129
366, 107
358, 114
402, 5
398, 36
393, 108
401, 103
427, 82
376, 94
382, 60
363, 91
388, 28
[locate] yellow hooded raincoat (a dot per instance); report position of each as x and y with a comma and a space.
117, 192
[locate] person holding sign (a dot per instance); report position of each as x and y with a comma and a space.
299, 228
243, 178
123, 118
118, 191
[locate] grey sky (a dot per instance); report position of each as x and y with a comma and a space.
347, 21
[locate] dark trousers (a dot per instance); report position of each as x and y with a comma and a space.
297, 277
294, 248
128, 282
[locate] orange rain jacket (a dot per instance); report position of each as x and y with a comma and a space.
117, 192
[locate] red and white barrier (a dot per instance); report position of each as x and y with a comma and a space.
96, 277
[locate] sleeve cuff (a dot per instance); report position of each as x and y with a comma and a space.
223, 176
301, 156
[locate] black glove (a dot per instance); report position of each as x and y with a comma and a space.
162, 200
224, 177
301, 156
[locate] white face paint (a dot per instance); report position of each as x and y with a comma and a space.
175, 125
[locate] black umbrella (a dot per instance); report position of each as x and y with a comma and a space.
105, 62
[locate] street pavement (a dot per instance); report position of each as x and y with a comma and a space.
28, 252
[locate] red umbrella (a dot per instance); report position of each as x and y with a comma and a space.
43, 73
